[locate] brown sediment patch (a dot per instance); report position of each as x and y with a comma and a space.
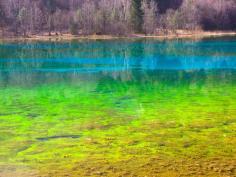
140, 166
17, 171
157, 124
200, 125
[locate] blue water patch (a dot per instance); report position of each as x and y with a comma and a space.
118, 55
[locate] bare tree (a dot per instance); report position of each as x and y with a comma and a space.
86, 17
23, 20
2, 18
61, 20
215, 14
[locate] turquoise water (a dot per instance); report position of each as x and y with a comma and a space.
118, 108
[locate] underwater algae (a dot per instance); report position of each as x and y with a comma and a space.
145, 109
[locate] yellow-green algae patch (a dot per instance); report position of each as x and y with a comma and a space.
111, 127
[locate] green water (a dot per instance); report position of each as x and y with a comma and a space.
118, 108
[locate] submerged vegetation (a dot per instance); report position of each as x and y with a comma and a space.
117, 17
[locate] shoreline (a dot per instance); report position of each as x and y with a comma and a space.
65, 37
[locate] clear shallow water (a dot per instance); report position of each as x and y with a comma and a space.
118, 108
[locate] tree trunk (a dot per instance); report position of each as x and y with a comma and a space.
50, 25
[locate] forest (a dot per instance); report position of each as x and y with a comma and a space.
115, 17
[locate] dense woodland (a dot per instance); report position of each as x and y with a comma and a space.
117, 17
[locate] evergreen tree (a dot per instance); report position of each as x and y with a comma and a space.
1, 16
149, 16
49, 7
164, 5
136, 15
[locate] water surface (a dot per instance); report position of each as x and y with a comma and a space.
118, 108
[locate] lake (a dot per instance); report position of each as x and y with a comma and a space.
118, 108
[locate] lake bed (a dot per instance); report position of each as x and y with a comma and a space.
121, 107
